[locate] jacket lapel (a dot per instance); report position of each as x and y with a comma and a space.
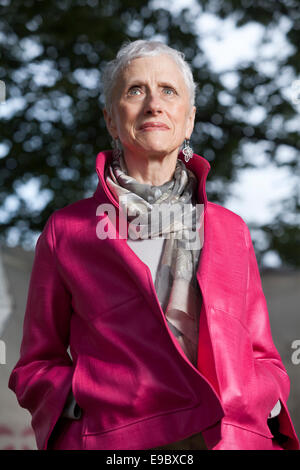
223, 265
214, 253
135, 267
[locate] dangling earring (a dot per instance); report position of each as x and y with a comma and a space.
117, 148
187, 150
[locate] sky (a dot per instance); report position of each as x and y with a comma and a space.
257, 193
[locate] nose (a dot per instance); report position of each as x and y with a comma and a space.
153, 104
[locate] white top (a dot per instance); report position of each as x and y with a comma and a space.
149, 251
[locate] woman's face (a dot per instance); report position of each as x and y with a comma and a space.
151, 110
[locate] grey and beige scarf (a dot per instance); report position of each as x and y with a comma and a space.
175, 283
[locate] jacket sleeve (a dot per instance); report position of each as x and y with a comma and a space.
42, 377
272, 377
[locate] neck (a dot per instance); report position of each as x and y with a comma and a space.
151, 169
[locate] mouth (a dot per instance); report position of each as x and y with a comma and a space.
154, 126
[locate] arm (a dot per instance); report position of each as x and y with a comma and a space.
42, 377
273, 381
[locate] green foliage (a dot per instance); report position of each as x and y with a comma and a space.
58, 129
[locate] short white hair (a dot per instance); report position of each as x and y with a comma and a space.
141, 48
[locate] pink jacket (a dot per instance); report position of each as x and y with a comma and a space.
136, 388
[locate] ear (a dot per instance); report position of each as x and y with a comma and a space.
110, 123
190, 122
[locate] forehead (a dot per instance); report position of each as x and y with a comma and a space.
153, 68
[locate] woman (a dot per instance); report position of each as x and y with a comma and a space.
169, 335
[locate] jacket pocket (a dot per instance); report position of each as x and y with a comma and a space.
71, 409
76, 393
67, 435
247, 396
274, 426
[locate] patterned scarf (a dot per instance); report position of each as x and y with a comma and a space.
175, 284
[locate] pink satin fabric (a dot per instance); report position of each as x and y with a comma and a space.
135, 386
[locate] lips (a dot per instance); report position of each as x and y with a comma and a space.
154, 125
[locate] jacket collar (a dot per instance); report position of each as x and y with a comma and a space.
198, 165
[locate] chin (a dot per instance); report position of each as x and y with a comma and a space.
157, 152
158, 149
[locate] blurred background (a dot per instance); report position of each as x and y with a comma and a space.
245, 60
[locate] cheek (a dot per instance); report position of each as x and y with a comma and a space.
180, 118
126, 117
124, 121
179, 111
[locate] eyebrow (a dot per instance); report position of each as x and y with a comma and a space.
140, 82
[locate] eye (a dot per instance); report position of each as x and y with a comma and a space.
169, 91
134, 90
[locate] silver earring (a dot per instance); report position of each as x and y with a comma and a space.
117, 148
187, 150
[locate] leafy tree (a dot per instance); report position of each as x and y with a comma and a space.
56, 128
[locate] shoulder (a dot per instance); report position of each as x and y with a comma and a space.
228, 220
79, 209
224, 213
71, 218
